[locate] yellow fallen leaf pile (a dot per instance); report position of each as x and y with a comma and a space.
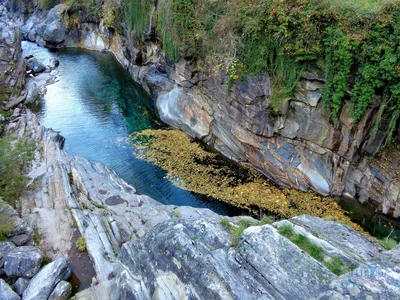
192, 168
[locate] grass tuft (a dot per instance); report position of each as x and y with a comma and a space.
81, 244
387, 243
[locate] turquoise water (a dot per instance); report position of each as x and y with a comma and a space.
96, 105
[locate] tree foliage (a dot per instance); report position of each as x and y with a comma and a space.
15, 156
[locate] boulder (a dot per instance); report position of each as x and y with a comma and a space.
6, 292
53, 30
21, 233
5, 248
41, 286
34, 65
62, 291
23, 261
20, 285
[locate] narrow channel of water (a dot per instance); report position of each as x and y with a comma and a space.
96, 105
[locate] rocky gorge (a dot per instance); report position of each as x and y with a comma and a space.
297, 147
142, 249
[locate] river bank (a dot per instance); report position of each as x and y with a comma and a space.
143, 249
298, 148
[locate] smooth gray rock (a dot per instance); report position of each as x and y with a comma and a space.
62, 291
23, 261
53, 30
350, 241
41, 286
20, 285
192, 258
21, 233
34, 65
5, 248
6, 292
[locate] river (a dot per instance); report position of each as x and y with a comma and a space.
96, 105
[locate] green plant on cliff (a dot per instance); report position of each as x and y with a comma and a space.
46, 4
6, 226
357, 42
15, 156
81, 244
136, 14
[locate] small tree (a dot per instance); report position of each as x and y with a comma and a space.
6, 226
15, 156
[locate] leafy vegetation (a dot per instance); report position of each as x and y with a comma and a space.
6, 226
356, 42
46, 4
15, 157
333, 264
81, 244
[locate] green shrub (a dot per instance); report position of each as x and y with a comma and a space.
81, 244
266, 220
46, 4
6, 226
15, 157
136, 15
242, 38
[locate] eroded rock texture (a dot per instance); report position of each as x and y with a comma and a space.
298, 146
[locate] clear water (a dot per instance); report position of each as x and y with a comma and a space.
96, 105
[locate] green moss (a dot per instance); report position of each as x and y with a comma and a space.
6, 226
333, 264
388, 243
81, 244
266, 220
337, 267
36, 236
225, 222
46, 260
286, 231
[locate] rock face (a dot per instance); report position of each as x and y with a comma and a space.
23, 262
5, 248
193, 259
11, 65
20, 233
168, 252
62, 291
42, 285
297, 147
20, 285
6, 292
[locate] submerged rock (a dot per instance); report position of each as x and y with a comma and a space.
23, 261
42, 285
